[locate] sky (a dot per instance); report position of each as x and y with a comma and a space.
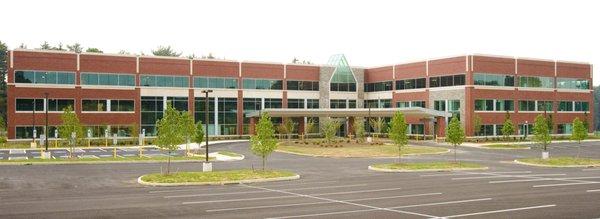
370, 33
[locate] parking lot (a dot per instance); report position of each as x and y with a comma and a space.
328, 188
26, 154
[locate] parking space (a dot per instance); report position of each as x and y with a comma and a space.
22, 154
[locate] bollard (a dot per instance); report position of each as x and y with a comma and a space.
55, 143
41, 152
105, 142
140, 152
114, 152
89, 143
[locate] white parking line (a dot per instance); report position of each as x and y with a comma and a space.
592, 169
474, 173
342, 202
280, 197
500, 211
565, 184
594, 190
261, 191
509, 176
574, 179
398, 207
16, 151
323, 202
17, 158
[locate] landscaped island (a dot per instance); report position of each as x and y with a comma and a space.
216, 177
353, 149
560, 162
505, 146
428, 166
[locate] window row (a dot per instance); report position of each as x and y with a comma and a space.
262, 84
303, 85
379, 86
494, 105
445, 81
44, 77
54, 105
164, 81
493, 79
107, 79
530, 105
533, 81
343, 87
105, 105
215, 82
342, 104
384, 103
405, 104
410, 84
299, 103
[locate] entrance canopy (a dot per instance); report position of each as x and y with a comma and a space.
359, 112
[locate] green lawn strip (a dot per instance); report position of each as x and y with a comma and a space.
215, 176
229, 153
505, 146
428, 166
107, 159
360, 151
561, 161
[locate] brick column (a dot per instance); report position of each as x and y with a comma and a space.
351, 125
252, 128
441, 126
301, 126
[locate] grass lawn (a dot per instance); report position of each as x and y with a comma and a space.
505, 146
357, 150
428, 166
215, 176
562, 161
106, 159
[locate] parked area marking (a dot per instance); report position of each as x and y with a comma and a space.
499, 211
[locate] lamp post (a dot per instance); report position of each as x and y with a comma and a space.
526, 129
46, 129
206, 166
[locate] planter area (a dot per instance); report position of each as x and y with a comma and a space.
216, 177
560, 162
349, 148
426, 167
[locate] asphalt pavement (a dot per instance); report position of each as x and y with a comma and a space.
328, 188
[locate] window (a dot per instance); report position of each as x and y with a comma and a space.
450, 80
24, 132
544, 106
303, 85
439, 105
227, 116
505, 105
122, 105
179, 103
250, 105
531, 81
164, 81
44, 77
295, 103
418, 103
215, 82
571, 83
342, 78
564, 128
385, 103
525, 128
272, 103
486, 130
484, 105
94, 105
410, 84
262, 84
107, 79
378, 86
417, 129
28, 104
59, 105
151, 111
312, 103
402, 104
352, 104
565, 106
337, 104
526, 105
582, 106
493, 79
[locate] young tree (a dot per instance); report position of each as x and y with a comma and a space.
476, 125
263, 143
169, 135
75, 48
94, 50
508, 128
310, 126
165, 51
134, 131
378, 124
541, 132
397, 132
70, 124
188, 128
456, 134
359, 128
45, 46
580, 133
3, 72
290, 127
199, 135
330, 128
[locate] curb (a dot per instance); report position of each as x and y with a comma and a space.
96, 162
483, 147
285, 178
544, 165
326, 156
423, 170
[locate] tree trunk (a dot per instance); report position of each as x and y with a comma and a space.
399, 155
169, 164
455, 154
579, 150
263, 162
